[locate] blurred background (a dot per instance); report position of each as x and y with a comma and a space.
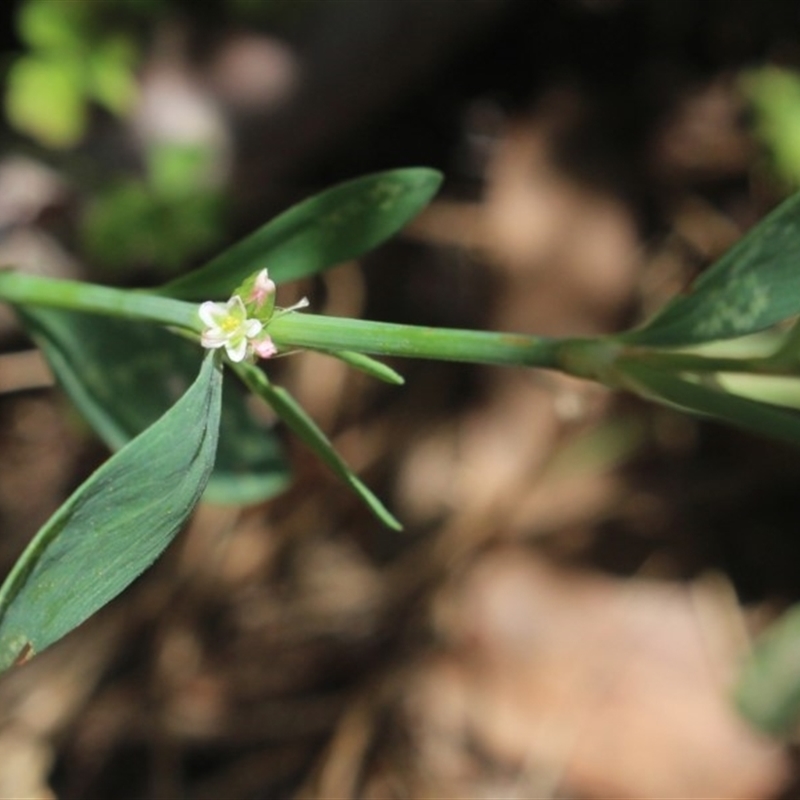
581, 573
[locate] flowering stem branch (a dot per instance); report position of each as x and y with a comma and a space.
594, 359
290, 330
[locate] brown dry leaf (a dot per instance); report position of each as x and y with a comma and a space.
24, 370
27, 760
704, 136
40, 702
599, 687
252, 73
568, 253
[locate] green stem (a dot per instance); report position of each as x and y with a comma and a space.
22, 289
411, 341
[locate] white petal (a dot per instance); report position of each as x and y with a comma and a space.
237, 350
213, 338
235, 307
210, 313
252, 328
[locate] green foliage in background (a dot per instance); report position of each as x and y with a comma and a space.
773, 94
69, 64
768, 693
164, 218
79, 53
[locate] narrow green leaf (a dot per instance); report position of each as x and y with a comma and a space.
768, 690
114, 526
369, 366
776, 390
123, 375
298, 421
753, 286
339, 224
761, 418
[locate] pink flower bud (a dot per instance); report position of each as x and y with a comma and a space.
264, 347
263, 289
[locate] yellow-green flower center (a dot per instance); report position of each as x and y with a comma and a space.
230, 324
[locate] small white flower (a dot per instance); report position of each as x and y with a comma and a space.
228, 326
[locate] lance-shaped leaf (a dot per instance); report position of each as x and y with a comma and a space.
369, 366
298, 421
114, 526
339, 224
668, 388
753, 286
123, 375
768, 690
